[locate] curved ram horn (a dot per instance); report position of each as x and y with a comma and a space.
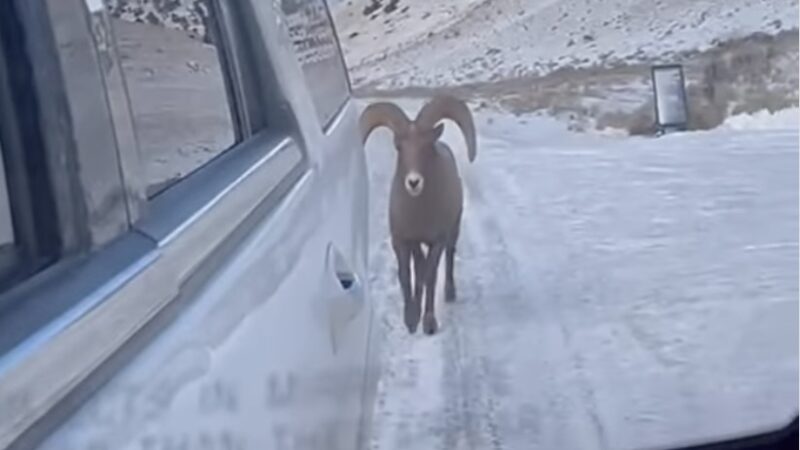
382, 114
448, 107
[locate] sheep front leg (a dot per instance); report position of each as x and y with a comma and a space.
419, 271
411, 306
450, 282
429, 324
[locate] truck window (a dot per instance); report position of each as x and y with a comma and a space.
313, 36
179, 96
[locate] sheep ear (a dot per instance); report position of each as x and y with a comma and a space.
438, 130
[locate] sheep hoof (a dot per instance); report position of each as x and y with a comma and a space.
429, 324
450, 293
411, 316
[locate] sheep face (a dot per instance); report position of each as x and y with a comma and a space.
415, 150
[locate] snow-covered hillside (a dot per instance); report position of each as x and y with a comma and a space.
184, 15
431, 43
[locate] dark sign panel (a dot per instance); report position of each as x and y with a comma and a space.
670, 96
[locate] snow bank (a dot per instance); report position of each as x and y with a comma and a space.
765, 120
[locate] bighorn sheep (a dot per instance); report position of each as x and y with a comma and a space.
426, 197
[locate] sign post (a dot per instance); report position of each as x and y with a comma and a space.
669, 91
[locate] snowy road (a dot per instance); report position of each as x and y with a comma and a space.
614, 293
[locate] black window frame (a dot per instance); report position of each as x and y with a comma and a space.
37, 241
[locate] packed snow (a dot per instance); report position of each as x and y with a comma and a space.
614, 293
399, 43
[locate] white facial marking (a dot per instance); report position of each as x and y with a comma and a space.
414, 183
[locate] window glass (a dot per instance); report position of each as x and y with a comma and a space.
314, 41
6, 226
176, 85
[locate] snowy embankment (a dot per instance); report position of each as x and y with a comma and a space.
615, 293
764, 120
585, 62
397, 43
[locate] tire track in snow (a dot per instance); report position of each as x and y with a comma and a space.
494, 297
569, 283
470, 403
522, 194
578, 364
490, 301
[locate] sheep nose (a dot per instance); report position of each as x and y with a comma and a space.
414, 183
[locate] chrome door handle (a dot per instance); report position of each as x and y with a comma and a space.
347, 297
